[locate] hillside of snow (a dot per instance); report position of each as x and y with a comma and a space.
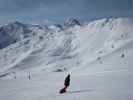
62, 49
98, 55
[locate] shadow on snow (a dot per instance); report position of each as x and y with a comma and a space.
80, 91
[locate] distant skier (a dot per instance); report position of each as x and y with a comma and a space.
66, 84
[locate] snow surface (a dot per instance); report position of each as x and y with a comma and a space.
98, 55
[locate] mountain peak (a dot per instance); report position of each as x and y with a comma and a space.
71, 22
17, 23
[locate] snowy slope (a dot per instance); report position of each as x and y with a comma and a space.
98, 55
60, 50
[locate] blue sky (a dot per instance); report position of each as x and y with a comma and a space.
56, 11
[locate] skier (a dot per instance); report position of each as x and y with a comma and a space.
66, 84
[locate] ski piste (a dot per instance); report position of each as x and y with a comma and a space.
98, 55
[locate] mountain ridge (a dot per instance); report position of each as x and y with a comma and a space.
64, 49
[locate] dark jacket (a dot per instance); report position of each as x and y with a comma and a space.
67, 80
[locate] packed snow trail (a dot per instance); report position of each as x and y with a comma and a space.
109, 85
100, 73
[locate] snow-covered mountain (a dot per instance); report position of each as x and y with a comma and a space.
98, 55
56, 27
11, 33
70, 22
54, 48
17, 31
